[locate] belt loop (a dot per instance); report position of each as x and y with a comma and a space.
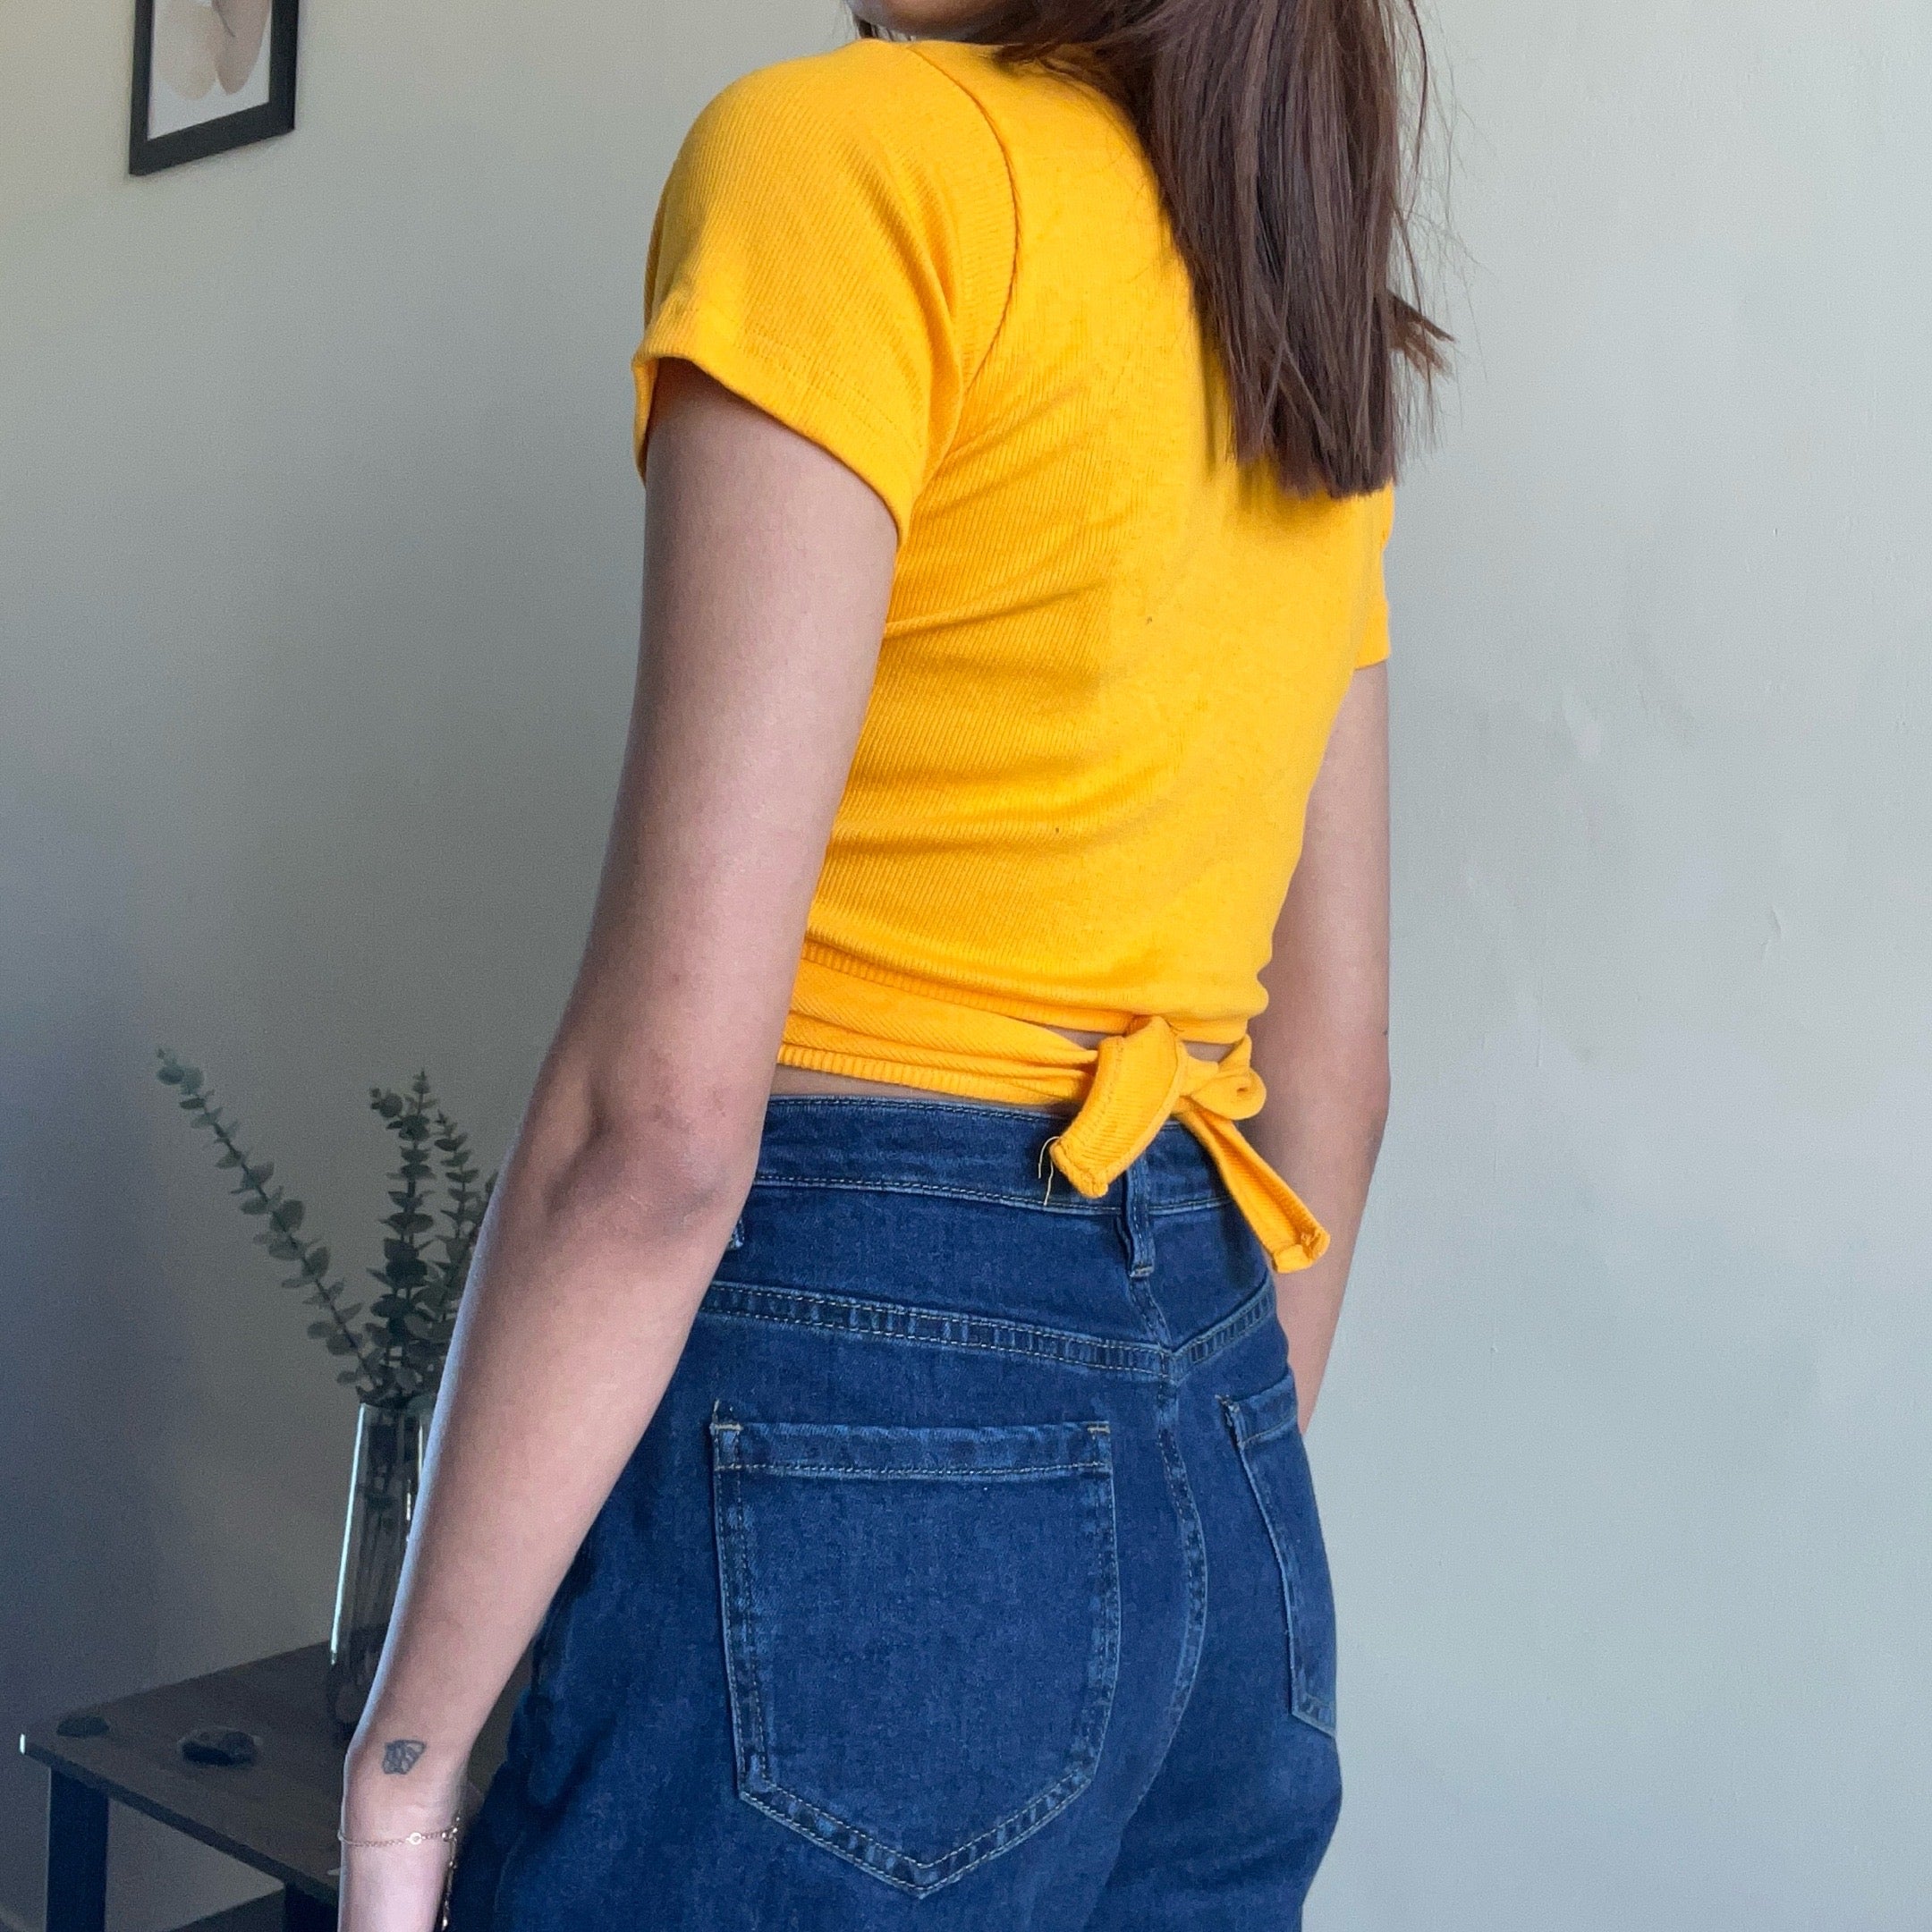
1137, 1221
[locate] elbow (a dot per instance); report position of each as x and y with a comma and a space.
659, 1173
639, 1188
1377, 1081
1374, 1117
1377, 1085
1363, 1077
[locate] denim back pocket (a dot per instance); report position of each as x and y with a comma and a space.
921, 1631
1268, 1432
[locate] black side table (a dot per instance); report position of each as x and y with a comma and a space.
277, 1816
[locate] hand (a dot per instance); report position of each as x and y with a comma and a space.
393, 1888
397, 1887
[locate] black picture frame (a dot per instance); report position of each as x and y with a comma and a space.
150, 154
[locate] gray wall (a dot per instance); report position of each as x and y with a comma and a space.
318, 564
1628, 1459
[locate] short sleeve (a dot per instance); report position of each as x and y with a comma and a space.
834, 243
1372, 645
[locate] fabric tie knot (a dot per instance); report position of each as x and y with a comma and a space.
1144, 1076
847, 1019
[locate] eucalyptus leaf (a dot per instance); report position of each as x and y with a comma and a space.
394, 1354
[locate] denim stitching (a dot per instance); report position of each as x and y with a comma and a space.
858, 1847
1315, 1711
884, 1862
894, 1447
727, 1300
886, 1104
1140, 1229
1024, 1471
1146, 1305
1250, 1315
903, 1323
733, 1538
1168, 1365
939, 1190
1194, 1549
1078, 1204
1266, 1435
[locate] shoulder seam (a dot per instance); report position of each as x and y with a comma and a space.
1013, 191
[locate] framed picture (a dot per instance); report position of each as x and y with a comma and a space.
208, 75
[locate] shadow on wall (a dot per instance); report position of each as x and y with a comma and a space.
81, 1353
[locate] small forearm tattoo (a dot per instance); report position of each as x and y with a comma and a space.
399, 1756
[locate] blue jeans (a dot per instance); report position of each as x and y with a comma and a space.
969, 1577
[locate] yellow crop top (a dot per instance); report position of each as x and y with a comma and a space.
1112, 657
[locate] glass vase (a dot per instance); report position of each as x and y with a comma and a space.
383, 1484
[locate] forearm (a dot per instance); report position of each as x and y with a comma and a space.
1321, 1130
1320, 1044
598, 1245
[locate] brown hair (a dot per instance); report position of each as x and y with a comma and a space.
1275, 131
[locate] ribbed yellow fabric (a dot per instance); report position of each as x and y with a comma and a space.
1112, 655
1127, 1085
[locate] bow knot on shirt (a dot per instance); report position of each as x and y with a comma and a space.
1143, 1077
1127, 1088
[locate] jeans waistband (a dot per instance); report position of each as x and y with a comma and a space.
924, 1222
972, 1150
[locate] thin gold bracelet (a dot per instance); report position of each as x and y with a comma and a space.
447, 1836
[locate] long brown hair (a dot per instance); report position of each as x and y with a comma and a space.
1277, 131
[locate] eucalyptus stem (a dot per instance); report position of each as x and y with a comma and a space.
400, 1352
466, 1205
252, 1182
284, 1214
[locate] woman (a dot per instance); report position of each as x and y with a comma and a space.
875, 1390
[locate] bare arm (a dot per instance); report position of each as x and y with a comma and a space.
767, 569
1321, 1045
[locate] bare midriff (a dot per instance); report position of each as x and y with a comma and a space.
791, 1080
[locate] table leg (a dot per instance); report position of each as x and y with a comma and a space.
302, 1913
76, 1857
